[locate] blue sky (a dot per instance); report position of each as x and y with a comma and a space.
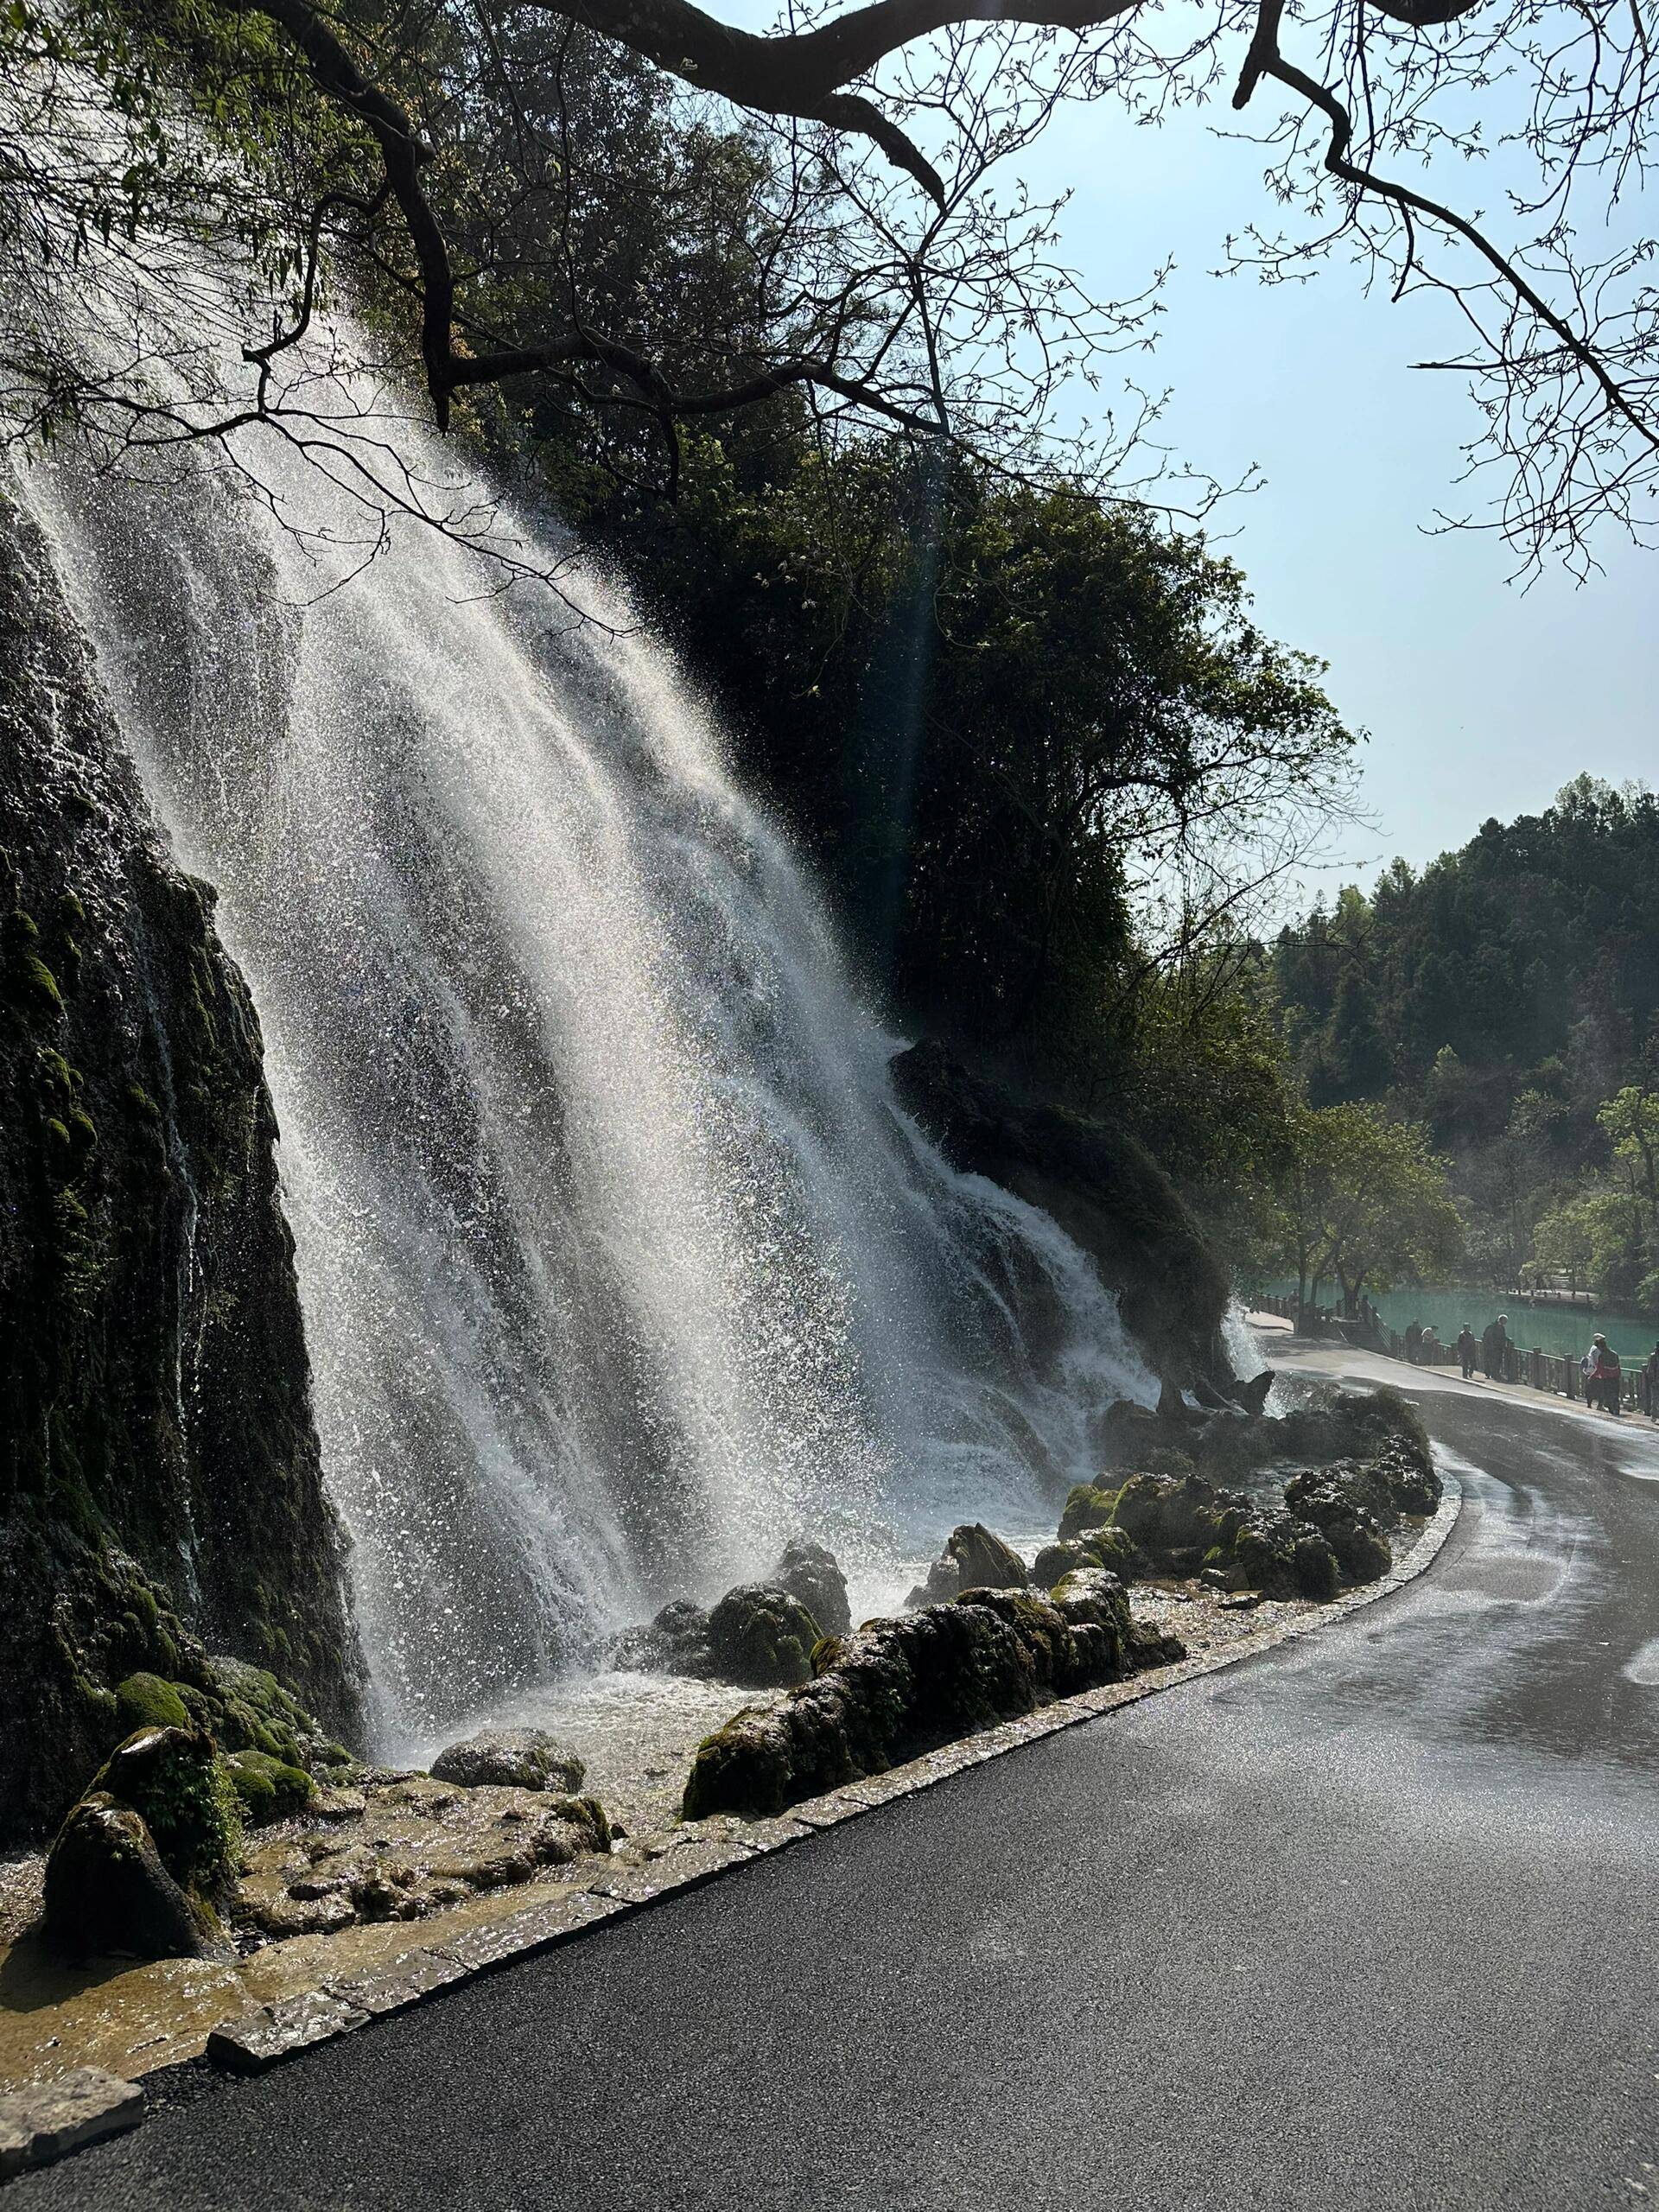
1480, 698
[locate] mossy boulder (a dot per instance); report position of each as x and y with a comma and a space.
811, 1573
145, 1701
267, 1790
673, 1641
761, 1636
1283, 1557
1176, 1519
1110, 1548
1087, 1505
974, 1558
1334, 1503
512, 1758
897, 1688
983, 1560
178, 1781
107, 1890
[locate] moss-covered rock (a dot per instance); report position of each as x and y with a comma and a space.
983, 1560
1087, 1505
811, 1573
673, 1641
145, 1701
760, 1636
897, 1688
1110, 1548
177, 1782
107, 1890
267, 1790
1283, 1557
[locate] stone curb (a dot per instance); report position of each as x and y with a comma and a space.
42, 2125
267, 2034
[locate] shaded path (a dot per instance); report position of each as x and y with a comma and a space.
1367, 1921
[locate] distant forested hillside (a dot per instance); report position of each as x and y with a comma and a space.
1508, 996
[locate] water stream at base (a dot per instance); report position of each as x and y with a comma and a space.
620, 1262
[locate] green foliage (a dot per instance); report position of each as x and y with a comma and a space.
1508, 995
1361, 1202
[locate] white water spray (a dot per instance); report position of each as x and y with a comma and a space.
620, 1262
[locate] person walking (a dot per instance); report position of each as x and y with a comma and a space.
1603, 1377
1414, 1340
1468, 1351
1650, 1384
1494, 1345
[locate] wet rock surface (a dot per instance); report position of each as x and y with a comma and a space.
1351, 1467
760, 1635
154, 1391
401, 1847
812, 1573
516, 1759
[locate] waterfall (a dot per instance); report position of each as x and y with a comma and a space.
622, 1262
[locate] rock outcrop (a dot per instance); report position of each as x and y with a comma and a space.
160, 1486
760, 1636
1371, 1466
1104, 1189
399, 1847
974, 1558
899, 1688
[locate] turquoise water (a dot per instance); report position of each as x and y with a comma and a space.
1561, 1329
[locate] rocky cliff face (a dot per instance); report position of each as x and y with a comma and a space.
160, 1487
1104, 1189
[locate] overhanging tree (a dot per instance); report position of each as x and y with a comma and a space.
891, 280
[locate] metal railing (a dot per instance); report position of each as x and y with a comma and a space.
1561, 1374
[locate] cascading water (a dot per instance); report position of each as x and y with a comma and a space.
620, 1262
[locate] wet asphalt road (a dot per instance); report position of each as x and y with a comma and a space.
1368, 1922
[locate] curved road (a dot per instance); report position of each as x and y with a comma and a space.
1367, 1921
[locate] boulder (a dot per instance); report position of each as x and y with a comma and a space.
510, 1759
1126, 1434
1283, 1557
943, 1583
1169, 1516
176, 1780
267, 1789
1253, 1394
761, 1636
899, 1688
1088, 1506
106, 1890
812, 1574
145, 1701
1330, 1505
1110, 1548
985, 1561
676, 1642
